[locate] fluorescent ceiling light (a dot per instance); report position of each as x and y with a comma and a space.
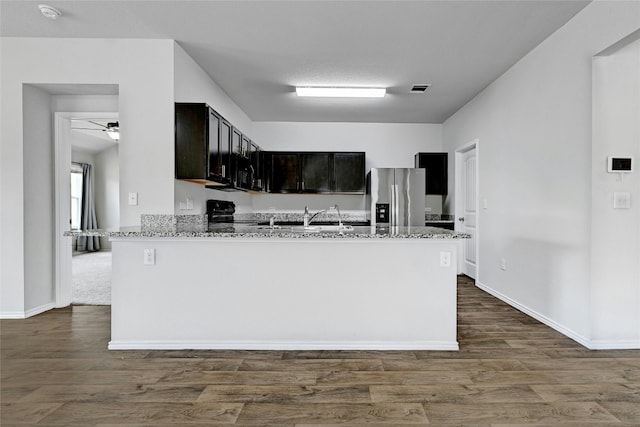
342, 92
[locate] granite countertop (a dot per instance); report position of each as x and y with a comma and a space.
240, 230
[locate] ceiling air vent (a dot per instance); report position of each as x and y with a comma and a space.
419, 88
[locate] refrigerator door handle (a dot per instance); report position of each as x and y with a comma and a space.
392, 211
394, 205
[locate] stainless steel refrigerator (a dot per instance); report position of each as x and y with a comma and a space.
395, 197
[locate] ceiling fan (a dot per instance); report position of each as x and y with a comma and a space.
112, 129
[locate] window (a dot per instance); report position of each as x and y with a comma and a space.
76, 196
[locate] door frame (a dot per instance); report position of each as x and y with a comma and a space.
459, 201
62, 197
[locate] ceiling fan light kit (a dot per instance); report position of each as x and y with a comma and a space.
341, 92
49, 12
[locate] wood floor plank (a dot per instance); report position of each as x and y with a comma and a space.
589, 392
565, 413
239, 378
149, 413
625, 412
312, 365
452, 393
391, 414
128, 393
217, 354
287, 394
347, 354
394, 377
583, 376
86, 377
25, 413
453, 364
577, 363
200, 364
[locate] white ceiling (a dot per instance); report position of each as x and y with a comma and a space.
88, 134
257, 51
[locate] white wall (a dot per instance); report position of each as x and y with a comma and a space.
385, 144
615, 233
38, 207
85, 103
146, 117
534, 130
107, 181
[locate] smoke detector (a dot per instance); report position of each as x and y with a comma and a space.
49, 11
421, 88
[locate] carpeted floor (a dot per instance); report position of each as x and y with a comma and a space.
91, 278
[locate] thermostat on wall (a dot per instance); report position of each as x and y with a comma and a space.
620, 164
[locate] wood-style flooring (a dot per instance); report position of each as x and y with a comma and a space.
510, 371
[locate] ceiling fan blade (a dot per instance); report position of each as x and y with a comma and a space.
100, 130
99, 124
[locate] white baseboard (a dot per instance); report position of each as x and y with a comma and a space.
41, 309
281, 345
12, 315
540, 317
28, 313
615, 345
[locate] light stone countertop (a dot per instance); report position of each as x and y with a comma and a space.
252, 231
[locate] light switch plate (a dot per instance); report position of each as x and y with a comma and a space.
622, 200
133, 199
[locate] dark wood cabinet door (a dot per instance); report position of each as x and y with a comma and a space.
349, 173
225, 149
285, 172
436, 171
315, 170
255, 156
215, 160
191, 145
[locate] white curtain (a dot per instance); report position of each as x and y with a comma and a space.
88, 215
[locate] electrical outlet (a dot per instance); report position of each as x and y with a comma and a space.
445, 259
149, 257
503, 264
186, 206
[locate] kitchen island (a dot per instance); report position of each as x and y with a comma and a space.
250, 287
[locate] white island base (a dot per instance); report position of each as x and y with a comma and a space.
284, 294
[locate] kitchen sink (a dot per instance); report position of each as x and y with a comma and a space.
322, 228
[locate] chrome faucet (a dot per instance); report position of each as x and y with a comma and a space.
307, 219
339, 215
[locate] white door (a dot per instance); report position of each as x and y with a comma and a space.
469, 211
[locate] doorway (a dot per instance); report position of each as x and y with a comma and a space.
466, 175
94, 203
82, 147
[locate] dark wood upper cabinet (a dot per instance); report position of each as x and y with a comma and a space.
315, 172
436, 172
285, 172
209, 150
349, 173
192, 141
